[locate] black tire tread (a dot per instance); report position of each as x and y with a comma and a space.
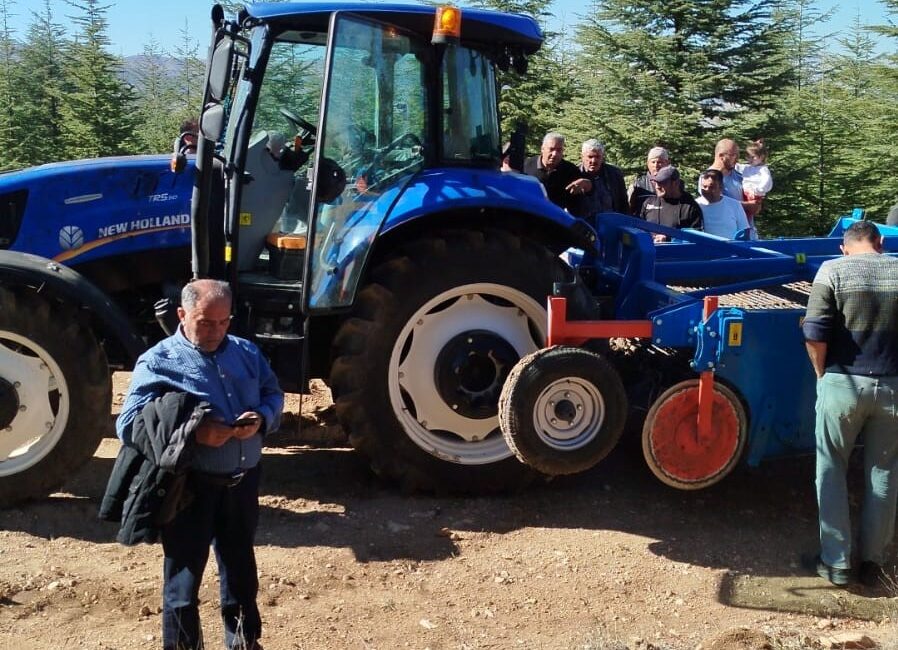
527, 373
57, 328
354, 372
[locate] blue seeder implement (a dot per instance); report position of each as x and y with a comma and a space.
737, 307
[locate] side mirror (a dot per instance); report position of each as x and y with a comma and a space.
178, 158
212, 122
220, 69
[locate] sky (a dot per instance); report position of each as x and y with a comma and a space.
134, 23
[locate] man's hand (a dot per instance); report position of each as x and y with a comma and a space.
579, 186
247, 430
213, 433
659, 238
817, 355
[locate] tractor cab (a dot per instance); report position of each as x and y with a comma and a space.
316, 117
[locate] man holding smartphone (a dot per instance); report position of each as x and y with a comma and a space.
232, 376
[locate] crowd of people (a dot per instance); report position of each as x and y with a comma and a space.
730, 194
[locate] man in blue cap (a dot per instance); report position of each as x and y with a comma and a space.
671, 206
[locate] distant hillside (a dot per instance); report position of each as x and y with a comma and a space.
139, 62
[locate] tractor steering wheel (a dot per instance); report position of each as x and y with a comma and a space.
305, 128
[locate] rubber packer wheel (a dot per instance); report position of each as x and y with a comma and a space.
670, 437
562, 409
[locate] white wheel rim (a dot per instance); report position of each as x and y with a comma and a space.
424, 415
568, 413
39, 424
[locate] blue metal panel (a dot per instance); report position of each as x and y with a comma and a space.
772, 373
459, 189
760, 353
88, 209
428, 192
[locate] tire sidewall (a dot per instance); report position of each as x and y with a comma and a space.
88, 384
525, 384
529, 269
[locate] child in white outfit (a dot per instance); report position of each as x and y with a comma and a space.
757, 180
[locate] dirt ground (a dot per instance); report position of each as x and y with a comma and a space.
609, 559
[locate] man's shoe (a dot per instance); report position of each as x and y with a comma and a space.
838, 577
872, 575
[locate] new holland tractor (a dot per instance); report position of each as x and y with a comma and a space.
346, 185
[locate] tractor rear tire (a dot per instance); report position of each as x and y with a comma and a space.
420, 364
55, 395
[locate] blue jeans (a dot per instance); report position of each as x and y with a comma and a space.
226, 518
847, 406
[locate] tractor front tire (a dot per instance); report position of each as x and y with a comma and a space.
55, 394
420, 365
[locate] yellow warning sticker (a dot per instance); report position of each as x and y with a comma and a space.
228, 253
801, 258
734, 334
246, 218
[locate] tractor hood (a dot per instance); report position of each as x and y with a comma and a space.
83, 210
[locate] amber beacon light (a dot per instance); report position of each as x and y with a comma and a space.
447, 25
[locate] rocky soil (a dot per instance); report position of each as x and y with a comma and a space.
609, 559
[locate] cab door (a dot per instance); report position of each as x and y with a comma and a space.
373, 137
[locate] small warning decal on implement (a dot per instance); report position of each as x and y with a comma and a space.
734, 334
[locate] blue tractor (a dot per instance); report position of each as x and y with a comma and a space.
346, 185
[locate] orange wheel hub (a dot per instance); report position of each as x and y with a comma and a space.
673, 448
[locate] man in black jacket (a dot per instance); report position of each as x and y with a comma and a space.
564, 183
671, 206
608, 193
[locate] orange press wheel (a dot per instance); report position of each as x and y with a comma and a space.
672, 447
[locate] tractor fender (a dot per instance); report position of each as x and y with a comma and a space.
441, 198
62, 283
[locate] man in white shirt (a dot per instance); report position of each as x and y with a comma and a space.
722, 215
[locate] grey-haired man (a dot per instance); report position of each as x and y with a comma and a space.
643, 188
608, 193
563, 182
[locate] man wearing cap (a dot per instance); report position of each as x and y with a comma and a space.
722, 216
609, 193
642, 187
671, 206
564, 183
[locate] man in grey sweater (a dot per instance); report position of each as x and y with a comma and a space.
851, 332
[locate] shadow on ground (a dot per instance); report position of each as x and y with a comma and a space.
754, 525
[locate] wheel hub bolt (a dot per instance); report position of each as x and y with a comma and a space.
17, 384
23, 407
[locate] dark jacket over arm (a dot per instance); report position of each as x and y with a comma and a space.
146, 487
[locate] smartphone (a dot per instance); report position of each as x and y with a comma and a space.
242, 422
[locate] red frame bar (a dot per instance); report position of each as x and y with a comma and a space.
562, 331
706, 383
